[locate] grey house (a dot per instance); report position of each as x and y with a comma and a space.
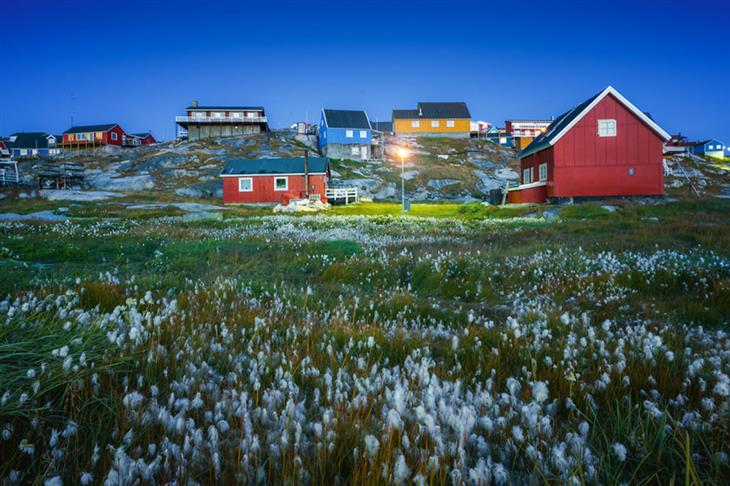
220, 121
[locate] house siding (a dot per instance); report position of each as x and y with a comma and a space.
462, 127
263, 189
587, 165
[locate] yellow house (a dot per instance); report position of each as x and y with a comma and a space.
434, 119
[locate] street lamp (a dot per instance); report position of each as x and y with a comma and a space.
402, 152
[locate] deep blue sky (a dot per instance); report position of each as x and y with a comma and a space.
140, 63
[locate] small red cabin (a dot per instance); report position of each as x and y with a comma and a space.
145, 138
603, 147
249, 181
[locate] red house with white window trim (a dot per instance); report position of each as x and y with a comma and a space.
603, 147
249, 181
90, 136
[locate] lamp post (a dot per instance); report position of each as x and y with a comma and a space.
402, 153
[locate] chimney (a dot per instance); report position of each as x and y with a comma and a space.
306, 174
194, 104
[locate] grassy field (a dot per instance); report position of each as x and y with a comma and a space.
462, 343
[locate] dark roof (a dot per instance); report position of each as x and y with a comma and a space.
274, 166
405, 114
384, 126
346, 119
543, 140
91, 128
142, 135
225, 108
29, 140
434, 110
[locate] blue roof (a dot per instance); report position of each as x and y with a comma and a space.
295, 165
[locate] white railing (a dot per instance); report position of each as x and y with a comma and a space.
220, 119
349, 194
8, 177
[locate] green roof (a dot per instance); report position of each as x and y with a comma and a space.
317, 165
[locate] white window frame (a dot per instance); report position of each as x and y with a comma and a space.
349, 134
542, 172
527, 175
415, 124
450, 124
286, 183
115, 137
355, 150
363, 134
236, 114
218, 114
435, 123
250, 184
605, 128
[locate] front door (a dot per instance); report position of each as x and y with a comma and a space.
364, 152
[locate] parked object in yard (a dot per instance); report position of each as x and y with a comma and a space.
709, 148
603, 147
32, 144
249, 181
67, 175
9, 173
449, 119
202, 122
345, 134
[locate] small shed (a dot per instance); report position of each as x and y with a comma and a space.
251, 181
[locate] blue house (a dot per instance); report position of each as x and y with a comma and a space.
32, 144
710, 148
345, 134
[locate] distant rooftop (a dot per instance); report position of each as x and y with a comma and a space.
434, 110
346, 119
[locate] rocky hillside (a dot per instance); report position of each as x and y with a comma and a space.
691, 175
436, 168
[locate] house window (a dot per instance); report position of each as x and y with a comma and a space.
434, 123
543, 172
363, 134
251, 114
245, 184
709, 147
198, 114
236, 114
527, 175
355, 150
450, 123
281, 183
114, 136
348, 133
606, 128
217, 114
415, 124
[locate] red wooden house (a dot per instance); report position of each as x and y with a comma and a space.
145, 138
247, 181
90, 136
603, 147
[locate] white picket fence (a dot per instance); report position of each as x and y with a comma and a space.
348, 194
